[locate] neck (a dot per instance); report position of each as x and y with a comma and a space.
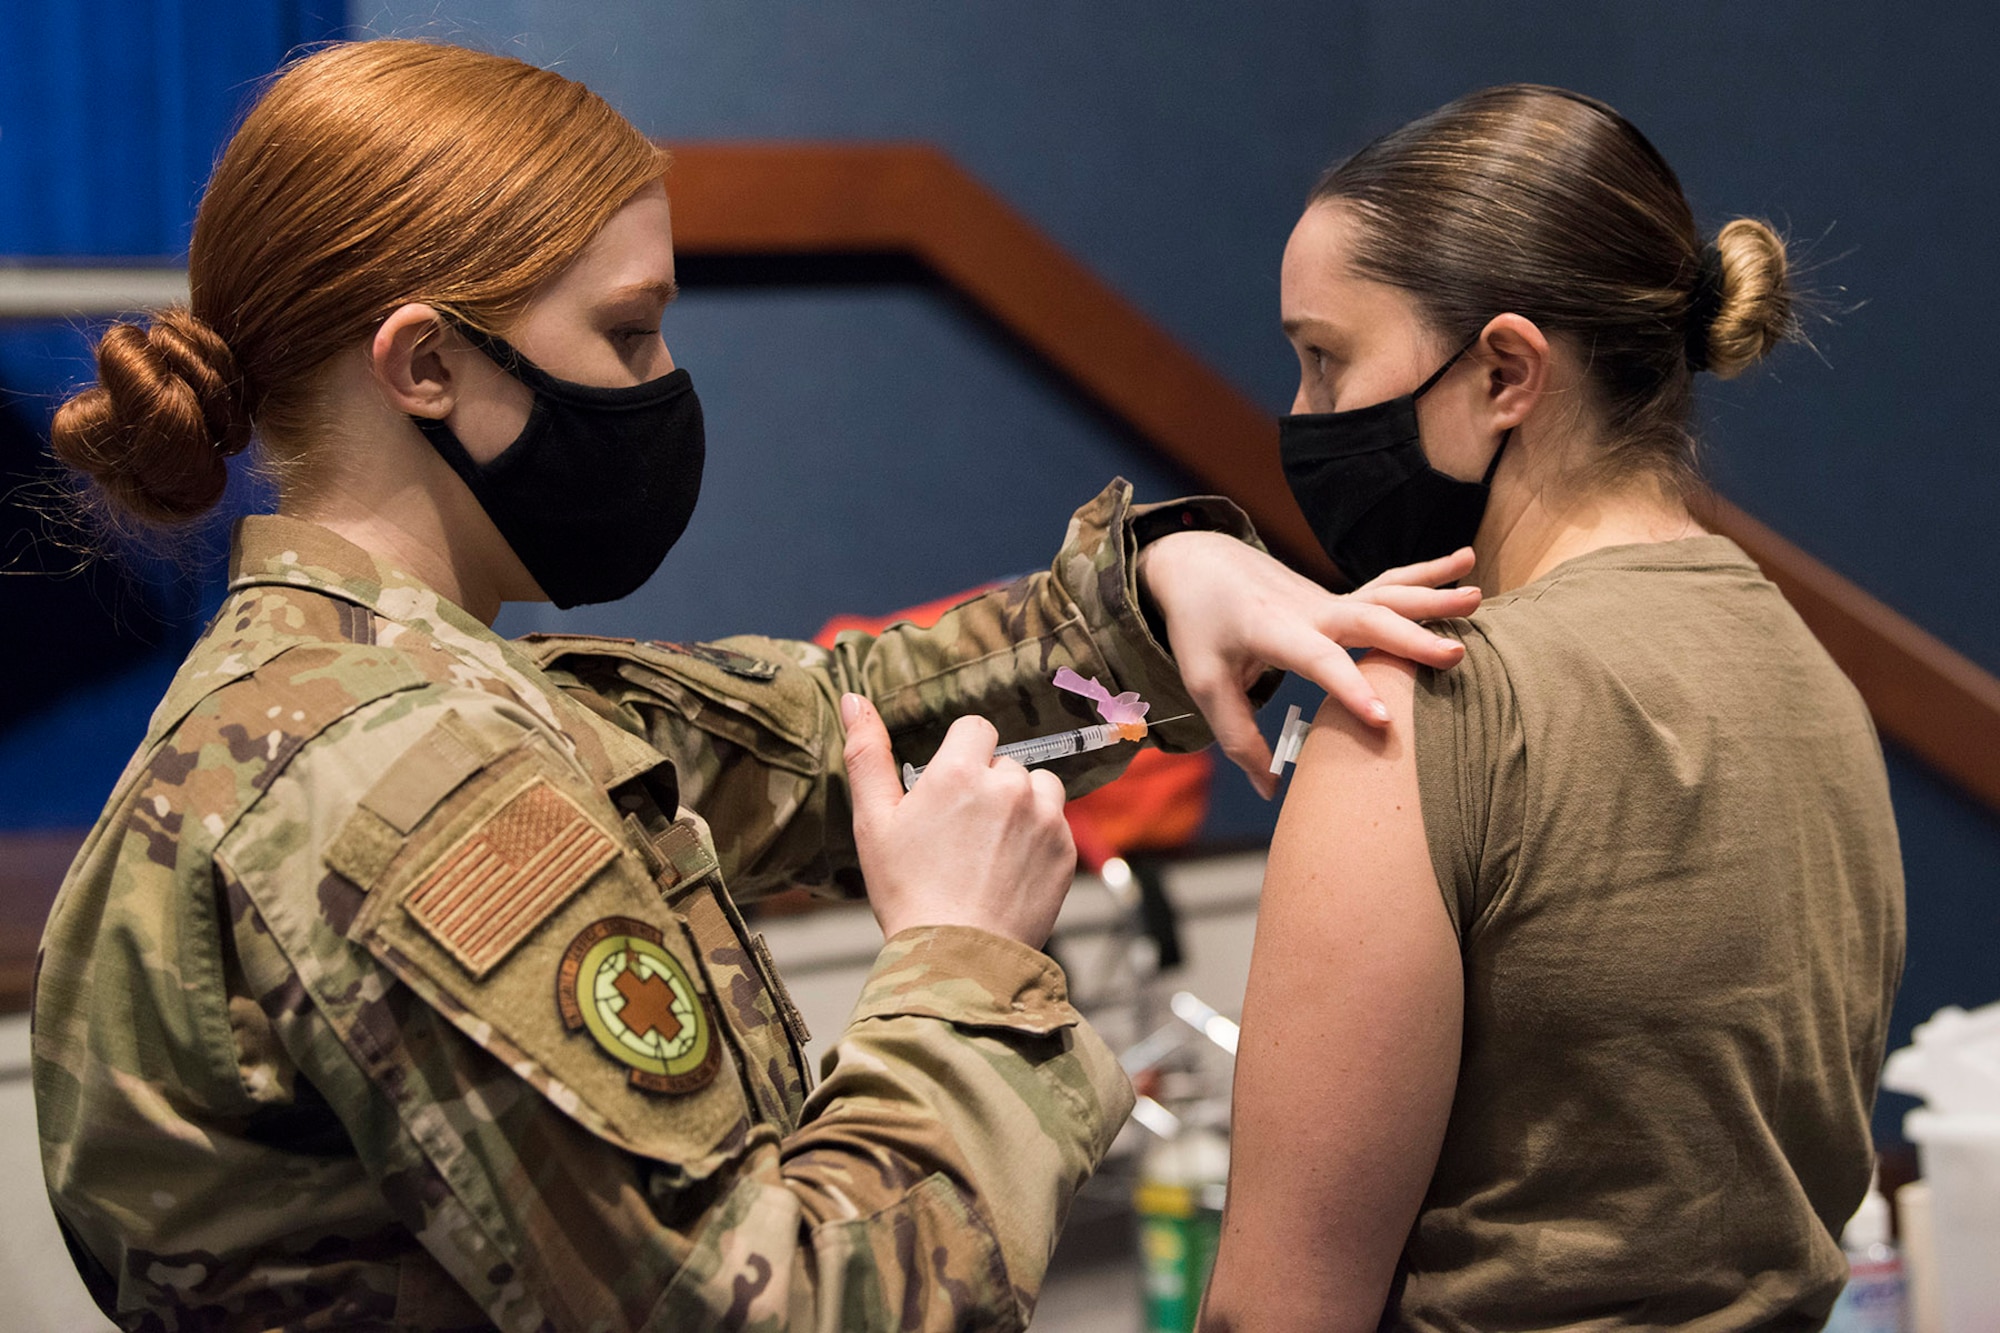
423, 554
374, 480
1529, 530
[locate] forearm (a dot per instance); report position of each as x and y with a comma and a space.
924, 1188
965, 1065
995, 653
752, 724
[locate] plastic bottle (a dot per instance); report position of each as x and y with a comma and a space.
1179, 1201
1873, 1300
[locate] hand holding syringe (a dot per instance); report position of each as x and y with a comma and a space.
1124, 719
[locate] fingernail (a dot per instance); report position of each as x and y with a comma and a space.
850, 708
1379, 711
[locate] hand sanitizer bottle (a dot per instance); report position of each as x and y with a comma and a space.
1872, 1301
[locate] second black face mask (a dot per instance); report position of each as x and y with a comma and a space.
598, 486
1368, 490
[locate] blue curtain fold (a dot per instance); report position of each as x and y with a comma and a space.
112, 111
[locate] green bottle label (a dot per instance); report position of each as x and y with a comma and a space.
1177, 1242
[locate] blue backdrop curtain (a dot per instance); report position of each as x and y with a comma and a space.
111, 114
112, 111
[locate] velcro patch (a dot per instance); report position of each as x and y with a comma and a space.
504, 878
427, 772
740, 665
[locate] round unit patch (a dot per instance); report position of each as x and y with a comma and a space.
618, 981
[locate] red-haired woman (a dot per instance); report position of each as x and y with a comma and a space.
400, 986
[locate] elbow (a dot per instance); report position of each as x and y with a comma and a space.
1226, 1311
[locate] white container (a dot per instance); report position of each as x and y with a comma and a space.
1960, 1153
1913, 1225
1952, 1061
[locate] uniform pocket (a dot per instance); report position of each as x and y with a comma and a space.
745, 690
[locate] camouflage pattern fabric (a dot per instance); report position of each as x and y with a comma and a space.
764, 766
399, 987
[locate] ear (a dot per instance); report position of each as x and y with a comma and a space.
408, 363
1516, 355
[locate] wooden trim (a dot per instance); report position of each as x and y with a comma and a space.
736, 200
742, 200
32, 864
1932, 699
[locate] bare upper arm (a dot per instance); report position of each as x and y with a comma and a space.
1351, 1030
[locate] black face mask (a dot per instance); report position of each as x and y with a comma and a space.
599, 484
1369, 492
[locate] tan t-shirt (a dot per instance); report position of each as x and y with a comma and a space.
1660, 821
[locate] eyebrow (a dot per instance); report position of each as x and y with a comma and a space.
1305, 321
663, 290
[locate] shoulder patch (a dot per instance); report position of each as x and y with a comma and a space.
741, 665
505, 877
618, 981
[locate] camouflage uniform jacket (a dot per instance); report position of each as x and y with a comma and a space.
399, 985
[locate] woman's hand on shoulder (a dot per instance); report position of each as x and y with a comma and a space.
1233, 612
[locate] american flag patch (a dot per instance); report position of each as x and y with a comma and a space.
505, 877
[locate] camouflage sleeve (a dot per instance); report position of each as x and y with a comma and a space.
752, 724
537, 1067
958, 1114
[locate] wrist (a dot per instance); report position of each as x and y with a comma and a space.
899, 923
971, 977
1145, 575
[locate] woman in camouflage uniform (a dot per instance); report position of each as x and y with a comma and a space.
399, 984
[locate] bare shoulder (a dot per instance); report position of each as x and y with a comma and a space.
1350, 771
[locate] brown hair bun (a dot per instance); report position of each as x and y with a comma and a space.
165, 414
1755, 312
1551, 205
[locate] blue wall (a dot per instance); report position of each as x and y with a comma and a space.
873, 447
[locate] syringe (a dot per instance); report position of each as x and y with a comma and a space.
1042, 749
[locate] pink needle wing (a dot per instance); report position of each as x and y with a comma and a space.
1122, 710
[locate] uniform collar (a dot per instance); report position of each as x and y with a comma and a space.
271, 550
